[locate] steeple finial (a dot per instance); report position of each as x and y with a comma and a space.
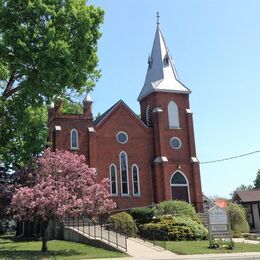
158, 18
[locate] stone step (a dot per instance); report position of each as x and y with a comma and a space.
204, 219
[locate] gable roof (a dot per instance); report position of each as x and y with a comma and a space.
248, 195
102, 117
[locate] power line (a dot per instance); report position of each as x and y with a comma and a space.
231, 158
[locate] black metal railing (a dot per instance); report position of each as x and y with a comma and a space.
97, 230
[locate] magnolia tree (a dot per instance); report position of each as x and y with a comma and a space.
64, 186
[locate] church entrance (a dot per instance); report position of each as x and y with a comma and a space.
179, 187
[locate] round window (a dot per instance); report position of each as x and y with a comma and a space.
175, 143
122, 137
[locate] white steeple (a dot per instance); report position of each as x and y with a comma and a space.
161, 73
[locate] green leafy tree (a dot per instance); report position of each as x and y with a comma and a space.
47, 48
242, 187
238, 219
257, 180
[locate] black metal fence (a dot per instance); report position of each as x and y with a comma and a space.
154, 236
97, 230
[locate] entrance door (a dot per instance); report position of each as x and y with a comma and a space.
179, 187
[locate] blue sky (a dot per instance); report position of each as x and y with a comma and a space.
216, 49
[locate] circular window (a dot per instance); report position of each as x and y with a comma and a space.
122, 137
175, 143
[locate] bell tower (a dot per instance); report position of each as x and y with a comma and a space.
165, 107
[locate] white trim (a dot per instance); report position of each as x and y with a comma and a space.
180, 185
122, 132
110, 180
160, 159
179, 147
157, 110
138, 180
77, 139
57, 128
124, 194
194, 160
91, 130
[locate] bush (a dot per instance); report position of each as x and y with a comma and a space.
123, 223
176, 208
142, 215
238, 219
177, 228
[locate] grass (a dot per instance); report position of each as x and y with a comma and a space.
201, 247
11, 248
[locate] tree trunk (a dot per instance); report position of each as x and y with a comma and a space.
44, 226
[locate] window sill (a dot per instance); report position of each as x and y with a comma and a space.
74, 149
137, 195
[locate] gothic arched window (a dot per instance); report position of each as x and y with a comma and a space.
124, 173
74, 139
113, 179
179, 187
173, 115
149, 119
135, 180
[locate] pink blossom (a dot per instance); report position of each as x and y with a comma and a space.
65, 186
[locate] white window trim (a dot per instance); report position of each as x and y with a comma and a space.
110, 172
124, 194
180, 185
77, 138
175, 137
122, 132
138, 180
172, 123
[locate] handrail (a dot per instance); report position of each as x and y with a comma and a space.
97, 231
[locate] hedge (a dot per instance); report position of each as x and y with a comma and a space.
142, 215
123, 223
176, 208
177, 228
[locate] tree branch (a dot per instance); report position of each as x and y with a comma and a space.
9, 85
12, 91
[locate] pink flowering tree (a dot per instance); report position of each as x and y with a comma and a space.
64, 186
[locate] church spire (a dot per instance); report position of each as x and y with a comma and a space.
161, 73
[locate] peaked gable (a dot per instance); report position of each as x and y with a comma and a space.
108, 113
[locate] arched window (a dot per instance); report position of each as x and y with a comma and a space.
180, 187
173, 115
113, 179
149, 119
135, 180
74, 139
124, 173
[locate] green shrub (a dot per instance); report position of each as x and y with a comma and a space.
123, 223
177, 228
142, 215
238, 219
176, 208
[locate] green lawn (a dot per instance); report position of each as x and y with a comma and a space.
201, 247
11, 248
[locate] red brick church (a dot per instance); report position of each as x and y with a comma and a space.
148, 159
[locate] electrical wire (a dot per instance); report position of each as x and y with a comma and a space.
230, 158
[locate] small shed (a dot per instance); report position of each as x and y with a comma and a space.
250, 199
